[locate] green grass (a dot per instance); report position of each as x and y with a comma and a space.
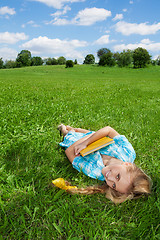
33, 101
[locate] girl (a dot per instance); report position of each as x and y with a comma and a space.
112, 164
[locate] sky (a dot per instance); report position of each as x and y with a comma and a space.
75, 28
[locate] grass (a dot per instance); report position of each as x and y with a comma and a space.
33, 101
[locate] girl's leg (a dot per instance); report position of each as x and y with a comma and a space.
81, 130
65, 129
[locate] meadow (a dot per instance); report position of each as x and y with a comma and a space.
33, 101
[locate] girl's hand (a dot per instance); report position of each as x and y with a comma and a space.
79, 147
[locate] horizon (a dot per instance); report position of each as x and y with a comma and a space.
76, 28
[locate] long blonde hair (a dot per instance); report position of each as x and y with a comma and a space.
141, 185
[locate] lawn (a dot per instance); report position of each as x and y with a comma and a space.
33, 101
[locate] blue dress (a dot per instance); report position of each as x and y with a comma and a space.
92, 164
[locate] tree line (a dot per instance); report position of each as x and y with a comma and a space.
138, 58
24, 59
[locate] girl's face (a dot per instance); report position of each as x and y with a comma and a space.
118, 177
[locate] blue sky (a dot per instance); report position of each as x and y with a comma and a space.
75, 28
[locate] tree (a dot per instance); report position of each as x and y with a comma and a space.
10, 64
75, 61
61, 60
141, 57
116, 56
54, 61
102, 51
24, 58
1, 63
158, 61
36, 61
69, 63
153, 62
124, 58
48, 61
107, 60
89, 59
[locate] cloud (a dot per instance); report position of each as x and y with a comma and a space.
118, 17
134, 28
58, 4
31, 23
102, 40
44, 46
12, 38
145, 43
60, 22
6, 10
59, 13
8, 53
89, 16
86, 17
131, 2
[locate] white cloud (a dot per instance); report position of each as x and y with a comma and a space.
58, 4
59, 13
44, 46
12, 38
124, 10
86, 17
89, 16
118, 17
6, 10
134, 28
131, 2
60, 21
31, 23
102, 40
145, 43
8, 53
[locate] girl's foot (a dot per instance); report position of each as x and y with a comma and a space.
62, 129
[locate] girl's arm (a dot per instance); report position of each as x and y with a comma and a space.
76, 147
70, 151
103, 132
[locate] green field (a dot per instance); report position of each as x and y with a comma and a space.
33, 101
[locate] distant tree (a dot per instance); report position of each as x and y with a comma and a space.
36, 61
153, 62
61, 60
24, 58
158, 61
69, 63
10, 64
48, 61
75, 61
89, 59
107, 60
102, 51
116, 56
54, 61
141, 57
124, 59
1, 63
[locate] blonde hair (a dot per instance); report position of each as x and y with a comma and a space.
141, 185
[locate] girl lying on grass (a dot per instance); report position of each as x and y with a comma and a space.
112, 164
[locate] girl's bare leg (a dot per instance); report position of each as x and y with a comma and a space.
81, 130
